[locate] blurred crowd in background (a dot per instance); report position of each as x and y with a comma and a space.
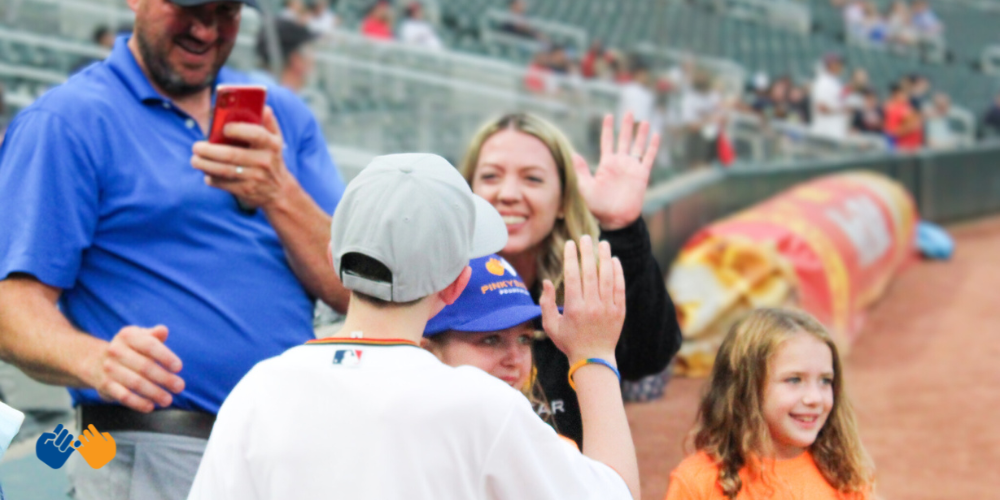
689, 102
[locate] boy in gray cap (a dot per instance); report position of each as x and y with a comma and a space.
367, 413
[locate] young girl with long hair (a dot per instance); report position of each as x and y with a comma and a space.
776, 422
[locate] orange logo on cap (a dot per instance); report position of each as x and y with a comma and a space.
495, 267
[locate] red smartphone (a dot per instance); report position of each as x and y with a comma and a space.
236, 103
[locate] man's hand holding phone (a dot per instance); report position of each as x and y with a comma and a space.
255, 174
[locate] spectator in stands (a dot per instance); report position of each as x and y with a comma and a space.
517, 23
546, 193
901, 31
759, 87
701, 116
295, 11
559, 61
856, 88
830, 115
919, 88
608, 68
416, 31
377, 24
590, 65
925, 21
102, 37
637, 97
109, 231
620, 70
868, 119
903, 124
991, 118
295, 49
539, 78
940, 134
774, 104
876, 28
854, 20
799, 109
321, 19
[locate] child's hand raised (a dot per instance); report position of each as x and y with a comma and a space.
594, 307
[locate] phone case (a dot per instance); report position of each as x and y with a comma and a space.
236, 103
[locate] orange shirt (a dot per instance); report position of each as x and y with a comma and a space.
696, 478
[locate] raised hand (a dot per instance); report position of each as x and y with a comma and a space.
53, 448
615, 192
594, 303
137, 369
97, 448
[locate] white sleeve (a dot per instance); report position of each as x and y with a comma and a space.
529, 460
224, 473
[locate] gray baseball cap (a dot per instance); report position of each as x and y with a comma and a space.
415, 214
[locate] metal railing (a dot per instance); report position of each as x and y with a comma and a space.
948, 186
933, 48
387, 109
779, 140
491, 32
472, 69
730, 72
787, 14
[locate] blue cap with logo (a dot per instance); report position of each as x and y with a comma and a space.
495, 299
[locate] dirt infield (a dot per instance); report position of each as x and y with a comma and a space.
924, 378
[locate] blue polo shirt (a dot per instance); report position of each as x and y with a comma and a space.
98, 197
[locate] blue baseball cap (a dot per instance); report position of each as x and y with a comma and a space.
495, 299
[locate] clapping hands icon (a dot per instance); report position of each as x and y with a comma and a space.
96, 447
54, 448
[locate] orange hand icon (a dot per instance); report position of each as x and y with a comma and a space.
97, 449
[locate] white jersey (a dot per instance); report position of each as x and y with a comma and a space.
419, 33
827, 90
375, 419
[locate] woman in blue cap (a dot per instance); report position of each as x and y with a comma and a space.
491, 326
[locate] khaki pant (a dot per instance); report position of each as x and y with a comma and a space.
147, 466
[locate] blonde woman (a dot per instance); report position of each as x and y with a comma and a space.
547, 195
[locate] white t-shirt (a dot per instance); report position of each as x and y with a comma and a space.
829, 91
639, 100
323, 24
698, 106
364, 419
419, 33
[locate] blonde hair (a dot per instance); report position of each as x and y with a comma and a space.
577, 219
731, 426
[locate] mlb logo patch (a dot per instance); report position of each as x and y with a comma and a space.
347, 357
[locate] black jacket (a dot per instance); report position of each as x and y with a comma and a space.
650, 335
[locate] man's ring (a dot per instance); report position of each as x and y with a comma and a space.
239, 170
637, 157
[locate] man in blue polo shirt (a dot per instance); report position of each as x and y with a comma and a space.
129, 272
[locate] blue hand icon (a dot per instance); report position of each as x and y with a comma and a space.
54, 448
